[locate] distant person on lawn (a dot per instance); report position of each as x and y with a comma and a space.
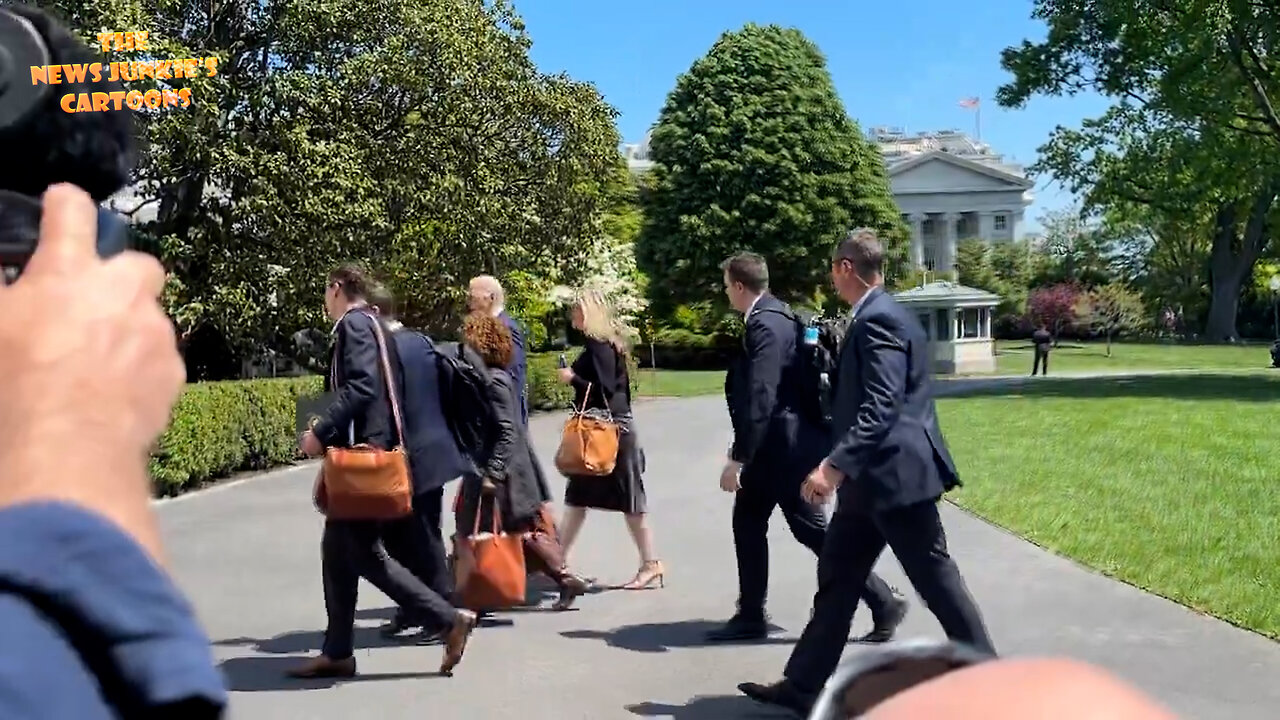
1043, 341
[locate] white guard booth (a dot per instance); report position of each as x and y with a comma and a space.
958, 321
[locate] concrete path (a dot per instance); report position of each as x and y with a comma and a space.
248, 556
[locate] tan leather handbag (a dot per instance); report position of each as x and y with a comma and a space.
489, 569
588, 443
363, 482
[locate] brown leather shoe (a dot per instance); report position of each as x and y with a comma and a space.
455, 641
323, 667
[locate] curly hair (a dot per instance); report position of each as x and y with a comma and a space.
489, 337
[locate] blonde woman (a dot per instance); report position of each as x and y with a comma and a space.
601, 381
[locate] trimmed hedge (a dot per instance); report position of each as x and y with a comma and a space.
221, 428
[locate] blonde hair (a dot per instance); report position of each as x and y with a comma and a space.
599, 322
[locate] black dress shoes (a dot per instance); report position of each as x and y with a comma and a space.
780, 694
886, 625
741, 628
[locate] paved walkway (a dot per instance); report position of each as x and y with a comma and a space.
248, 556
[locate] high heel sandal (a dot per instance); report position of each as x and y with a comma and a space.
572, 587
649, 573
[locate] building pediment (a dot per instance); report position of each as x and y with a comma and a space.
942, 172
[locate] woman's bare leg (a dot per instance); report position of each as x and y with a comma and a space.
570, 526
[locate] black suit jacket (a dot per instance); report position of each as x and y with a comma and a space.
518, 369
769, 437
434, 456
356, 376
600, 378
887, 439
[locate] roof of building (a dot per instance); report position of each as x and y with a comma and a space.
1002, 173
946, 292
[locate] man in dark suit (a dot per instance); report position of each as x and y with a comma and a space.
417, 542
362, 413
773, 446
1043, 342
889, 468
485, 295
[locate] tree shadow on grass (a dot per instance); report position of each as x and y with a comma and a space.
708, 707
1243, 387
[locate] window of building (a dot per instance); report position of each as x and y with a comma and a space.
924, 323
942, 324
1001, 223
971, 323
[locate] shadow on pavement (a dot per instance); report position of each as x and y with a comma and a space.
662, 637
708, 707
265, 674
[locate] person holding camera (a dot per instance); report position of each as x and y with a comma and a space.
91, 625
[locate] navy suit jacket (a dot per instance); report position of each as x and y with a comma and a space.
887, 439
518, 370
434, 456
770, 438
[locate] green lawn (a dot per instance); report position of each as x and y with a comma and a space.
1169, 483
679, 383
1014, 357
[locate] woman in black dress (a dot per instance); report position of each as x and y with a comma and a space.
601, 381
510, 477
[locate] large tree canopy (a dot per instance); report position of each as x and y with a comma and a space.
1194, 131
414, 134
755, 151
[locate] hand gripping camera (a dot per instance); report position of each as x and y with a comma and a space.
41, 145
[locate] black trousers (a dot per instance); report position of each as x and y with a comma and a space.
752, 507
853, 544
417, 542
352, 549
1040, 365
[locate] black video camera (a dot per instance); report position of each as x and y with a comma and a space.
41, 144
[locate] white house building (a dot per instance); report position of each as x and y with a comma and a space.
949, 187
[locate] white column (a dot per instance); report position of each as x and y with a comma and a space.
986, 315
1015, 225
947, 264
917, 241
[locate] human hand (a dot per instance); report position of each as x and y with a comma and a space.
488, 487
566, 375
310, 445
821, 484
91, 370
731, 477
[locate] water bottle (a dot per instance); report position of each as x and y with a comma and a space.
811, 333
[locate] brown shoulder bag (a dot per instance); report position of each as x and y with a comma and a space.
363, 482
588, 443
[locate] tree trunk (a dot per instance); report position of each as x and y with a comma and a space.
1108, 334
1232, 259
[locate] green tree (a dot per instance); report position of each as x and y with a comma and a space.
1194, 129
416, 135
754, 151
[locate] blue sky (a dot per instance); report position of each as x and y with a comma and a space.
904, 63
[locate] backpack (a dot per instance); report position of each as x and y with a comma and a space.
816, 364
464, 397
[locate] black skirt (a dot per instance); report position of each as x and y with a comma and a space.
623, 490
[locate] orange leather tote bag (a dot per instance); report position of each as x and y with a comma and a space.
588, 443
488, 568
363, 482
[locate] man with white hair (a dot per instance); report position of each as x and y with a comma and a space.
487, 296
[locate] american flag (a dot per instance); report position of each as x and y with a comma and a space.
969, 103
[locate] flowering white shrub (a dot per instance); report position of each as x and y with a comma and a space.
611, 269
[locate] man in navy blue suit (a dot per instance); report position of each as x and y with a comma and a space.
888, 469
774, 445
434, 460
485, 295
